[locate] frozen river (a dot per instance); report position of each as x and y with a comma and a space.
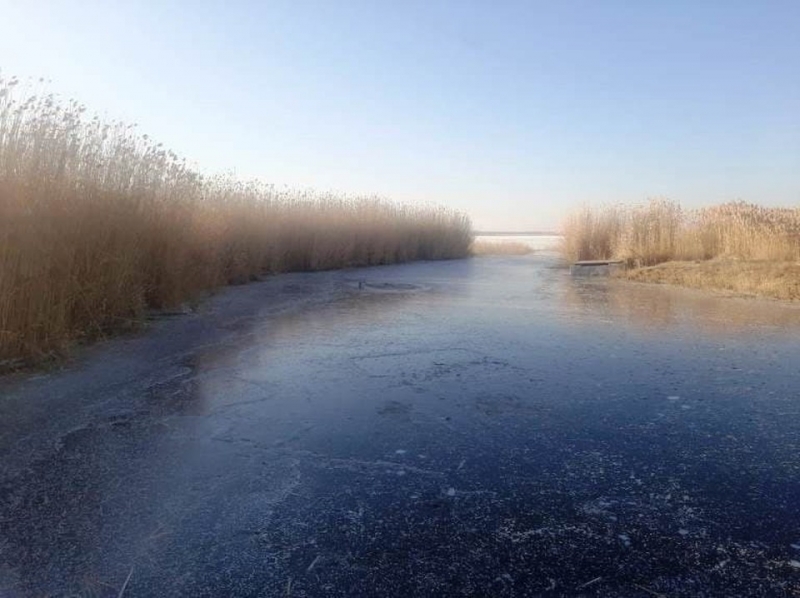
484, 427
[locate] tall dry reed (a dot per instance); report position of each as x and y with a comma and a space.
661, 231
99, 223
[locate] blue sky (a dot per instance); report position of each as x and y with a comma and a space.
512, 111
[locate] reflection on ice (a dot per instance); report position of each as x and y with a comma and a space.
652, 307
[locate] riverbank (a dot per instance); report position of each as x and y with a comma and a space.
735, 247
776, 280
100, 225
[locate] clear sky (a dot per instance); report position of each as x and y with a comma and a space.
512, 111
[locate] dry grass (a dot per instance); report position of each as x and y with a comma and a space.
738, 247
661, 231
779, 280
481, 247
99, 223
591, 234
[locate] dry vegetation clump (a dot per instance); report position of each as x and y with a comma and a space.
661, 231
482, 247
592, 234
99, 223
738, 247
747, 231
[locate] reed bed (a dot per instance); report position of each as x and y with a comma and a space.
662, 231
483, 247
98, 224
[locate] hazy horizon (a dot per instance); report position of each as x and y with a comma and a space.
513, 112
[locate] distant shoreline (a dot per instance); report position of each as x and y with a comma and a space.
536, 233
